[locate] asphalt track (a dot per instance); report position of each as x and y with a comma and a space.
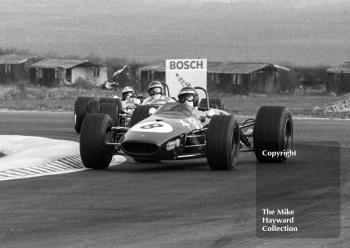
172, 204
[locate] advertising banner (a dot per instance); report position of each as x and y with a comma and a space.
185, 72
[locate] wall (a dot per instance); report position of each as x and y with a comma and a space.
17, 72
269, 82
47, 79
87, 73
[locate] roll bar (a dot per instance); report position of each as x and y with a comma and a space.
166, 87
205, 92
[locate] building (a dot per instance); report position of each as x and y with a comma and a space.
51, 72
338, 78
229, 76
15, 67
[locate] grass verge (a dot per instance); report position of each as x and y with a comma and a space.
311, 106
62, 99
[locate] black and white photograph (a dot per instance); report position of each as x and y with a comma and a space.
174, 123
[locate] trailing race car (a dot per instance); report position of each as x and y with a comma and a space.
172, 132
84, 105
119, 110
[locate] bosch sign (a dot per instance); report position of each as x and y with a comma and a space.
185, 72
189, 64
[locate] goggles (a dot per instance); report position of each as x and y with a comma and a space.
155, 91
187, 97
127, 94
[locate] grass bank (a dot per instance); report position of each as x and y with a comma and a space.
43, 98
313, 106
62, 99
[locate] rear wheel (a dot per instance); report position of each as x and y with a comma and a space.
80, 110
92, 106
140, 113
222, 142
112, 100
95, 132
273, 132
110, 109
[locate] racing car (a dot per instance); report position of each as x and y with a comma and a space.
172, 132
120, 113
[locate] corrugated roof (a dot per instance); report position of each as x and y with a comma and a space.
62, 63
15, 58
223, 67
157, 67
344, 68
239, 68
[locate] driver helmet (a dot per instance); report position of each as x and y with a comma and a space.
128, 92
155, 88
188, 96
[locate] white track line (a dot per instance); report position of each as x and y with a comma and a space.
61, 166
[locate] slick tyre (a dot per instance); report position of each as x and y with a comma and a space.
273, 132
95, 132
112, 100
140, 113
222, 142
92, 106
80, 110
110, 109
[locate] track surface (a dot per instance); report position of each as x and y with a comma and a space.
172, 204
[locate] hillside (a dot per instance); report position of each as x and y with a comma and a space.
300, 32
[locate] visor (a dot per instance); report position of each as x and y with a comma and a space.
155, 91
127, 95
186, 97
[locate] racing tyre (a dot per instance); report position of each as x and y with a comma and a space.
95, 132
222, 142
112, 100
92, 106
273, 132
110, 109
80, 109
140, 113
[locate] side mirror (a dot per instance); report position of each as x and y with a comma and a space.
151, 111
210, 113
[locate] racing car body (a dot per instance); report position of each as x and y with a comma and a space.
174, 132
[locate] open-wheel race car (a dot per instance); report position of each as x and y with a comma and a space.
119, 111
173, 132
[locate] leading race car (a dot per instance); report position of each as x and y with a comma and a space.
172, 132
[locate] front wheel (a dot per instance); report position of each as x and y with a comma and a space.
273, 132
95, 133
222, 142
